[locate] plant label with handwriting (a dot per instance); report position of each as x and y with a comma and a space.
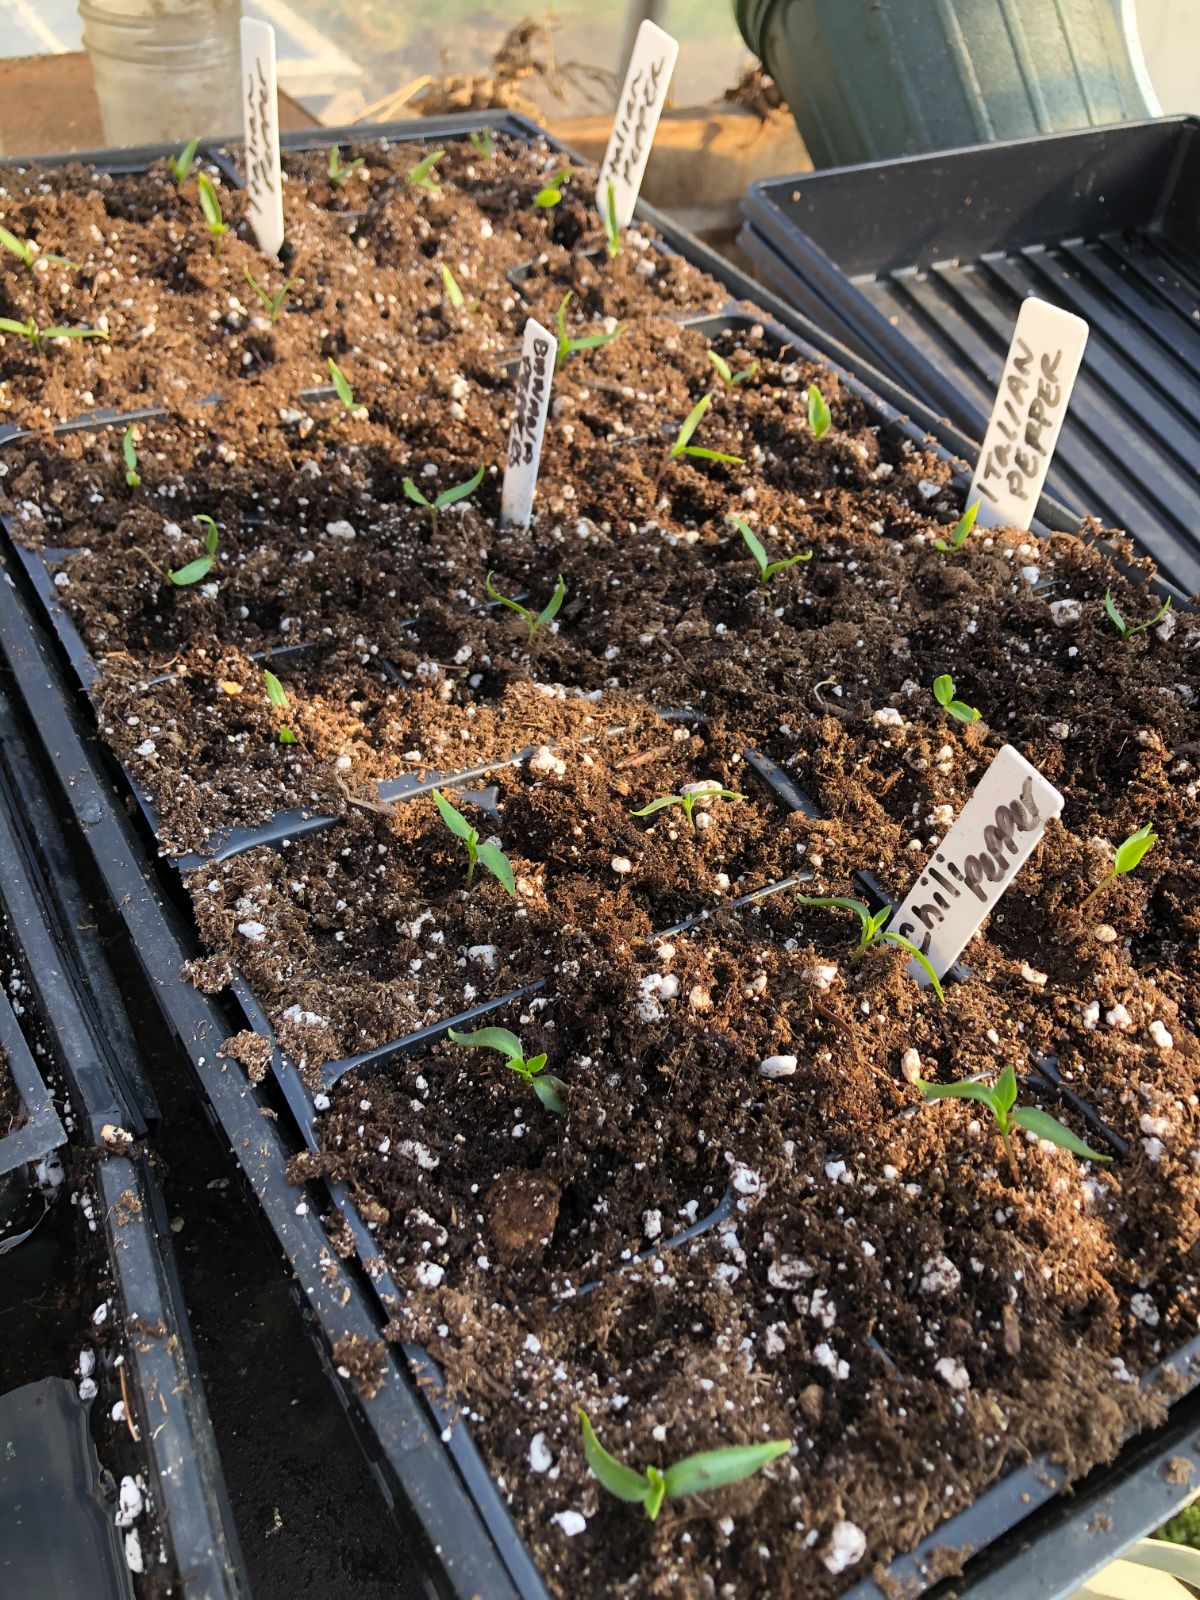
1039, 374
1000, 826
643, 95
534, 378
260, 109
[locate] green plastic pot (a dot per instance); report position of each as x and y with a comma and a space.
870, 79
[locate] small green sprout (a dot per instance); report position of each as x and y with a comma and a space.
960, 530
273, 302
551, 195
691, 796
341, 386
545, 1085
210, 207
28, 253
766, 569
684, 447
448, 497
1000, 1102
943, 693
711, 1469
202, 565
872, 932
277, 695
820, 419
129, 451
30, 330
484, 142
339, 171
726, 373
421, 176
1128, 855
611, 231
547, 614
453, 293
1122, 627
567, 346
181, 165
487, 855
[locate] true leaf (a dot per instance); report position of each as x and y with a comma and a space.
1006, 1089
1047, 1127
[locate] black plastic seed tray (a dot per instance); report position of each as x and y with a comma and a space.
465, 1542
921, 264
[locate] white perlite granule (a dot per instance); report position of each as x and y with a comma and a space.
847, 1546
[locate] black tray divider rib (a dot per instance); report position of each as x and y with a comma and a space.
466, 1526
41, 1132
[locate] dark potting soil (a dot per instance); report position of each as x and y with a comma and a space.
12, 1107
882, 1292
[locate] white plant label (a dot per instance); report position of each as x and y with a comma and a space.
532, 404
1039, 374
1000, 827
260, 109
643, 95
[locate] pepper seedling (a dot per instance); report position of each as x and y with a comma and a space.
551, 194
725, 372
960, 530
210, 208
28, 253
484, 142
545, 1085
339, 171
1128, 855
684, 447
448, 497
1122, 627
341, 385
453, 293
277, 695
692, 795
567, 346
182, 164
612, 232
711, 1469
820, 418
273, 302
872, 932
487, 855
766, 569
30, 330
1000, 1102
421, 176
547, 614
943, 693
129, 452
202, 565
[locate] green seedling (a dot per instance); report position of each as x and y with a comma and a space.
30, 330
726, 373
340, 384
872, 932
484, 142
766, 569
210, 208
820, 419
182, 164
960, 530
487, 855
684, 447
277, 695
448, 497
551, 195
421, 176
340, 172
943, 693
611, 232
693, 794
1128, 855
202, 565
272, 302
1122, 627
453, 293
28, 253
567, 346
711, 1469
547, 614
129, 451
545, 1085
1000, 1101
